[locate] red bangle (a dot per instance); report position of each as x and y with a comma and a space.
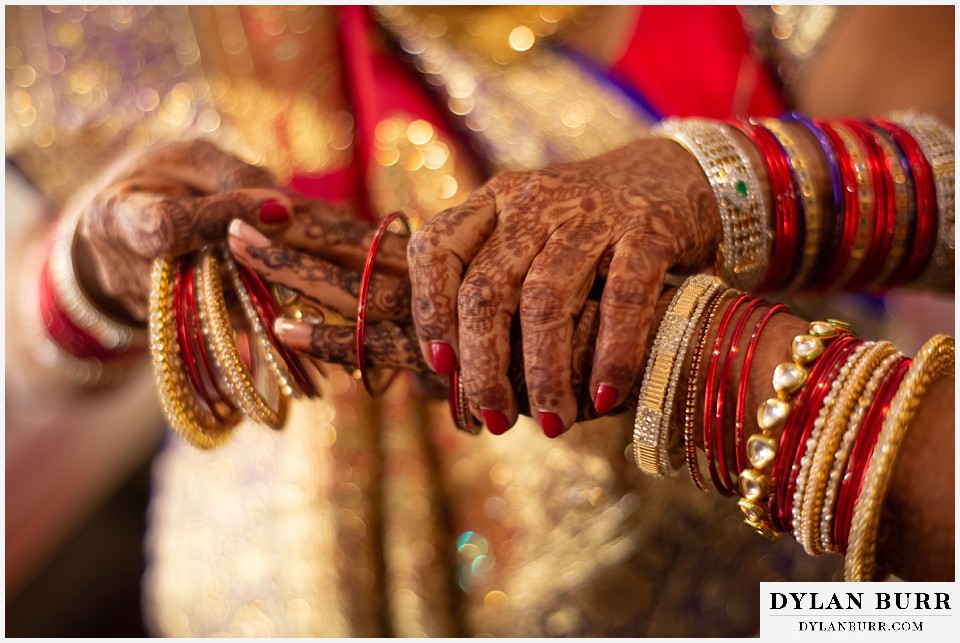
785, 199
778, 173
884, 210
927, 218
710, 440
725, 371
800, 423
740, 443
362, 305
62, 330
850, 213
268, 310
852, 481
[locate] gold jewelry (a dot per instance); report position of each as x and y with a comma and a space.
936, 141
935, 361
823, 452
904, 201
866, 197
850, 429
744, 252
788, 379
275, 361
690, 417
180, 407
652, 436
240, 387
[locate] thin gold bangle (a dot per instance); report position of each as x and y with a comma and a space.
934, 361
240, 386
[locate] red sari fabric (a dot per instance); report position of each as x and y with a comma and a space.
685, 61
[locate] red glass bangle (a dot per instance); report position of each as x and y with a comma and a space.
800, 423
726, 368
211, 384
927, 216
710, 430
850, 213
904, 204
781, 256
268, 310
187, 356
739, 442
786, 201
884, 210
362, 305
852, 481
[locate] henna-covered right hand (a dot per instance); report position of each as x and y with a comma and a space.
165, 201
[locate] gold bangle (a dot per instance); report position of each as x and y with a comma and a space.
240, 386
812, 215
807, 460
828, 440
842, 454
936, 141
788, 379
275, 361
866, 197
690, 409
652, 434
904, 201
934, 361
180, 407
744, 252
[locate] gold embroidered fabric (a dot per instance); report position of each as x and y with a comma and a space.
379, 518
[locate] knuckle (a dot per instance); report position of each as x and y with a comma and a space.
542, 305
478, 302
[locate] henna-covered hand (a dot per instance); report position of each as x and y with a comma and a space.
529, 247
391, 337
167, 200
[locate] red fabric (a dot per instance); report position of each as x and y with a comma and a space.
686, 61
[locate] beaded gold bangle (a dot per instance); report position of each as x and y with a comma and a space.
936, 140
788, 379
822, 451
807, 459
812, 215
240, 386
690, 410
652, 435
848, 433
935, 361
867, 201
179, 406
275, 361
744, 252
110, 332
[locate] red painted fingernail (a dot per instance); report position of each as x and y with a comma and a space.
495, 421
443, 358
605, 399
551, 424
273, 211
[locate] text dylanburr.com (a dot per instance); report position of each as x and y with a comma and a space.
849, 610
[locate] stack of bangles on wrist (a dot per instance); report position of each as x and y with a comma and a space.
70, 334
885, 218
815, 458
